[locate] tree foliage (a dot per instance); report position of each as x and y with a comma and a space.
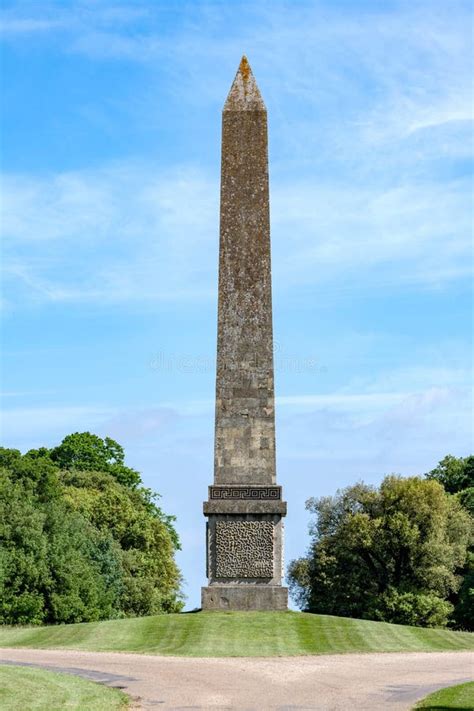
78, 544
456, 474
84, 451
145, 536
391, 553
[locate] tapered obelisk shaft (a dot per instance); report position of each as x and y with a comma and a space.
245, 424
244, 510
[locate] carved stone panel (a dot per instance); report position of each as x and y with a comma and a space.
247, 493
244, 549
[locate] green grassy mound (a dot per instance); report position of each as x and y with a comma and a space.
238, 634
38, 690
458, 698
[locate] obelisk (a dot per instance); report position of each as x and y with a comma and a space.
245, 507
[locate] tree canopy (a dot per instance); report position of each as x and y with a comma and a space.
456, 474
80, 538
392, 553
87, 452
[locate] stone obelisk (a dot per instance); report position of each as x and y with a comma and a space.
245, 507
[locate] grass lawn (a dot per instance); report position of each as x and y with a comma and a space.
238, 634
458, 698
24, 688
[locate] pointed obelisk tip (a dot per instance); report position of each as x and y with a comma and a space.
244, 67
244, 94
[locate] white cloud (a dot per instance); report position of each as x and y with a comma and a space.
418, 233
408, 434
352, 402
398, 396
117, 234
365, 107
20, 26
77, 18
122, 233
28, 427
364, 73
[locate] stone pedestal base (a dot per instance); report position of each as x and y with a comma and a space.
244, 597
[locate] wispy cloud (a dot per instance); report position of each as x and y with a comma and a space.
76, 17
381, 431
117, 234
380, 71
370, 108
412, 233
28, 26
391, 395
27, 427
367, 76
123, 233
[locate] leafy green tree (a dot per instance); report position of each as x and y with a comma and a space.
54, 566
456, 474
151, 579
24, 569
38, 473
464, 602
85, 570
84, 451
466, 498
391, 553
78, 544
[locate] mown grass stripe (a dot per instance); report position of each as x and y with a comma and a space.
228, 634
39, 690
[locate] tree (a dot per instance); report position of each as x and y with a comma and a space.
456, 474
84, 451
390, 553
464, 602
52, 566
24, 570
85, 570
78, 544
150, 577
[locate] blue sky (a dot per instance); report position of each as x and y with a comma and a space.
111, 157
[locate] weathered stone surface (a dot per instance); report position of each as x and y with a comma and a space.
245, 507
244, 549
242, 506
245, 410
223, 527
244, 597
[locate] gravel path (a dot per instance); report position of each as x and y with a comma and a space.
351, 682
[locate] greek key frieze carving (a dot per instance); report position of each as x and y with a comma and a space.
255, 493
